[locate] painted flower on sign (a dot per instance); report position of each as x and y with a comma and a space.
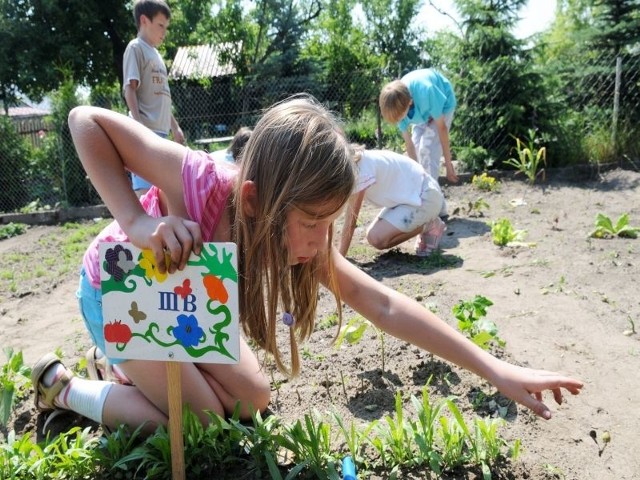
148, 263
119, 262
215, 288
188, 332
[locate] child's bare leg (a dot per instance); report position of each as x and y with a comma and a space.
125, 404
205, 387
244, 382
381, 234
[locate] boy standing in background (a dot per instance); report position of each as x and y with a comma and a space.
146, 86
425, 99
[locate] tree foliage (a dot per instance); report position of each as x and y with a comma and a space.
47, 37
495, 83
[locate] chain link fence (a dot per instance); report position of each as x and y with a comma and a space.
589, 111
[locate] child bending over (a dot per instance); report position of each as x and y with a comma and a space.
410, 198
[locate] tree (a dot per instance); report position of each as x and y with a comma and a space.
500, 95
579, 54
45, 37
616, 25
348, 66
392, 32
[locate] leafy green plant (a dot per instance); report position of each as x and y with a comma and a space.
475, 208
438, 437
15, 382
485, 182
310, 443
12, 230
605, 228
353, 331
472, 322
474, 157
503, 233
529, 158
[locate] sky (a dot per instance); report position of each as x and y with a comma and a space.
535, 16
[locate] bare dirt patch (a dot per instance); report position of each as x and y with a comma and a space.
561, 305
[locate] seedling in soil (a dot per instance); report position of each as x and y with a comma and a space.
472, 322
14, 383
475, 209
605, 228
630, 331
503, 233
529, 158
353, 331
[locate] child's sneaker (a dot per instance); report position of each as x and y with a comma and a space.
429, 240
421, 247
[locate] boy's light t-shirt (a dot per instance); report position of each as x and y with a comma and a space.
432, 96
143, 63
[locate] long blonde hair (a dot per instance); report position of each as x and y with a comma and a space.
297, 156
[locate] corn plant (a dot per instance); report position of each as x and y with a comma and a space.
395, 436
486, 445
15, 382
452, 434
605, 228
117, 445
529, 158
16, 456
353, 436
68, 456
472, 322
259, 440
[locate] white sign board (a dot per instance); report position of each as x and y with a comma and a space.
188, 316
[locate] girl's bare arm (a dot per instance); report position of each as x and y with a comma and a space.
406, 319
108, 145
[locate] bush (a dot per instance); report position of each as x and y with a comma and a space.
15, 153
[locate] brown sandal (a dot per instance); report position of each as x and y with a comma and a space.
45, 396
101, 369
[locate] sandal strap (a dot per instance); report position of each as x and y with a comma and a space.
49, 394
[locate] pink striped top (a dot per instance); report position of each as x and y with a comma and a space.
206, 184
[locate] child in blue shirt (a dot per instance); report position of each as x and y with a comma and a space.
425, 99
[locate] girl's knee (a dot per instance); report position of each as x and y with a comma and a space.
376, 241
262, 395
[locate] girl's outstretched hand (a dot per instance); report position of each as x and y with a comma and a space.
525, 386
171, 239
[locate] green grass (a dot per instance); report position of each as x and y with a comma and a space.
55, 255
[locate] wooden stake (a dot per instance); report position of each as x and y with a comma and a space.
175, 420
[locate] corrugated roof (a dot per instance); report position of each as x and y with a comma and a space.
17, 112
199, 61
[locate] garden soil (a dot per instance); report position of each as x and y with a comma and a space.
561, 301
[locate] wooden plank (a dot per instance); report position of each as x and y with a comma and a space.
206, 141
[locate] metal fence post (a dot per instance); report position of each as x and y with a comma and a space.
616, 105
